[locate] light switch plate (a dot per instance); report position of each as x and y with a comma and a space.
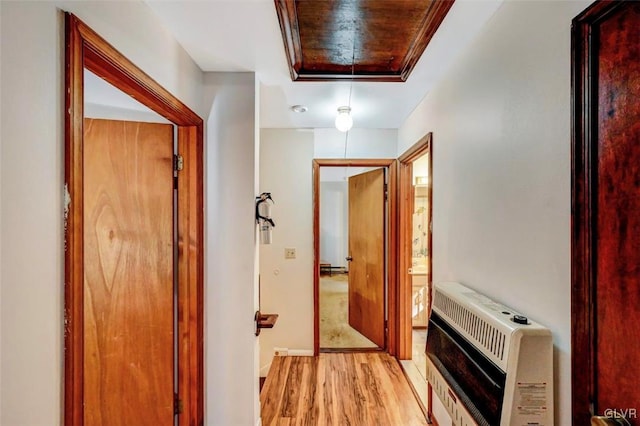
289, 253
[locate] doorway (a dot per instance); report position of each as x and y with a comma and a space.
134, 249
354, 259
605, 293
415, 261
420, 269
415, 242
353, 224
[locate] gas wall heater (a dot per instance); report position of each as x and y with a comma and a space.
488, 364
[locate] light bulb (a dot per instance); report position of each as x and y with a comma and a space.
344, 122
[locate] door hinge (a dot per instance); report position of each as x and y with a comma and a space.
178, 162
386, 191
177, 404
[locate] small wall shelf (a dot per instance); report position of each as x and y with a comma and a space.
264, 321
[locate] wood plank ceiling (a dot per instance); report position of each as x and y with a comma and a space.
371, 40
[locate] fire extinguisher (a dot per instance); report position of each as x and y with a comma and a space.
263, 217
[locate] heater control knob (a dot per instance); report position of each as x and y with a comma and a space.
520, 319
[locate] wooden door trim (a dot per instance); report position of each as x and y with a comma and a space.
583, 209
416, 150
392, 268
86, 49
405, 218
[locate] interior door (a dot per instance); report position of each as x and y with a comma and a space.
366, 254
128, 285
606, 258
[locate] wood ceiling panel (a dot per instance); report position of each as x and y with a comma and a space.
369, 39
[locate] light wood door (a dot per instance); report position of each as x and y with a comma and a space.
128, 264
606, 259
366, 251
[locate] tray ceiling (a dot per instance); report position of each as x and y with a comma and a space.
371, 40
244, 36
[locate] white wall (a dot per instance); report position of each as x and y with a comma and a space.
31, 269
334, 222
232, 377
287, 284
361, 143
102, 100
501, 143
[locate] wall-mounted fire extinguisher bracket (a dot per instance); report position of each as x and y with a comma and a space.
263, 217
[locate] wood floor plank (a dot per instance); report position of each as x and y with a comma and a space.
356, 389
323, 399
376, 400
290, 397
274, 386
309, 407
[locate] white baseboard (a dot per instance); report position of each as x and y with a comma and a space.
300, 352
264, 370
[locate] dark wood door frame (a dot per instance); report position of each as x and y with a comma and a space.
584, 144
86, 49
405, 218
392, 269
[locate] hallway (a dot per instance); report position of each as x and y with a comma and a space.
496, 91
365, 389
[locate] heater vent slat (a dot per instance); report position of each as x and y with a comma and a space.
484, 334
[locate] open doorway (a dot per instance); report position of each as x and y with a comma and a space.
353, 212
420, 270
415, 245
116, 252
353, 263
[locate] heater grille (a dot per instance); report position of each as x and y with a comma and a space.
459, 415
484, 334
493, 364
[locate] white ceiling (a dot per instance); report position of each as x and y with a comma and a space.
244, 35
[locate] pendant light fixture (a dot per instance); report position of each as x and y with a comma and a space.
344, 121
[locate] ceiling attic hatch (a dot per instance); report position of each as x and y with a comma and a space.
381, 39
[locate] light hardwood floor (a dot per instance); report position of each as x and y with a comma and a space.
356, 389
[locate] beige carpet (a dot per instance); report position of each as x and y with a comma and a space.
335, 332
